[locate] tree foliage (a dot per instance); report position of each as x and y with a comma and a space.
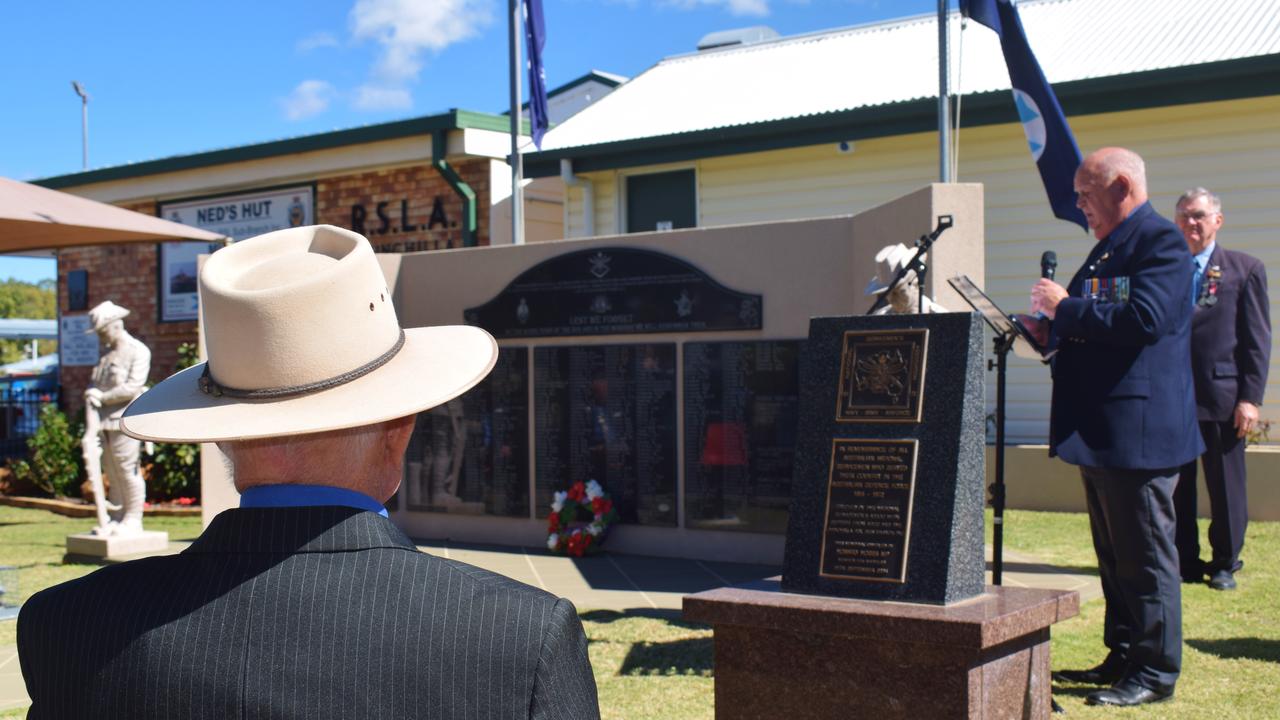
30, 301
173, 469
55, 464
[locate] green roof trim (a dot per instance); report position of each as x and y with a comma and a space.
593, 76
452, 120
1208, 82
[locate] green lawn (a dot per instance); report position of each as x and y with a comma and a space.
652, 665
34, 541
1231, 650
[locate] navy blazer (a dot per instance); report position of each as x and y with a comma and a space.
1122, 391
304, 612
1231, 338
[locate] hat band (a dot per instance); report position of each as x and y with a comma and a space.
209, 386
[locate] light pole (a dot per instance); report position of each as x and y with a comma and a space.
84, 119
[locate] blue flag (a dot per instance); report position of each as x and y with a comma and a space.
535, 34
1053, 147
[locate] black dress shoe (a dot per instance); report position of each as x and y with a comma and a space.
1126, 694
1222, 580
1108, 673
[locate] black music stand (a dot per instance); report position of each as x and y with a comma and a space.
1008, 330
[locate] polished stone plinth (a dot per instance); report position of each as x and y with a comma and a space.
940, 537
107, 548
784, 655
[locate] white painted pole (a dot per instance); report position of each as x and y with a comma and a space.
944, 100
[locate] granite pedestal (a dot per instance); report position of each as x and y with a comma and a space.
115, 546
886, 499
784, 655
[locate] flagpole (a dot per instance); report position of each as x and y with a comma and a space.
944, 110
517, 170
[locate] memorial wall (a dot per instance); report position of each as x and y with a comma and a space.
665, 366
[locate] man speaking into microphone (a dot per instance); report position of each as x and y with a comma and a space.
1123, 411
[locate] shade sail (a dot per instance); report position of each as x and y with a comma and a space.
36, 218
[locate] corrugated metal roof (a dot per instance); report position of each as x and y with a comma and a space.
896, 61
23, 329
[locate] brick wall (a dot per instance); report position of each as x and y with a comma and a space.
126, 274
416, 194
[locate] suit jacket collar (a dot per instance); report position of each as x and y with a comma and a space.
1215, 257
1104, 248
1129, 226
323, 528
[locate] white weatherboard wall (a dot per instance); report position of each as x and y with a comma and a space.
1231, 147
823, 270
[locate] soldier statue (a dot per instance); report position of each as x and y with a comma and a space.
120, 376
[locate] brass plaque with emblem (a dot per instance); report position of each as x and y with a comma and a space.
867, 524
882, 376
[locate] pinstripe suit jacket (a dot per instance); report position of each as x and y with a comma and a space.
312, 612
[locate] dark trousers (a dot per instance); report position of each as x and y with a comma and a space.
1224, 478
1132, 520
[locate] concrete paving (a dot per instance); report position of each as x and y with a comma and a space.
621, 582
13, 693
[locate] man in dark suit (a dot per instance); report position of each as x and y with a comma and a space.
1230, 355
305, 602
1123, 412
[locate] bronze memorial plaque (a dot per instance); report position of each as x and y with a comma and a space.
882, 376
868, 512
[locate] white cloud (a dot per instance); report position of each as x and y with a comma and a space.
408, 28
310, 97
753, 8
374, 97
315, 41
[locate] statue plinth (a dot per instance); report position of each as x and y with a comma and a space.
114, 547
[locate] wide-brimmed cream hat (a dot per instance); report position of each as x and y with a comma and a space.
103, 314
889, 260
302, 338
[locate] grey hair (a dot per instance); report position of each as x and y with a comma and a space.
1215, 202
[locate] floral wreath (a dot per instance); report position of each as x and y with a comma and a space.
567, 535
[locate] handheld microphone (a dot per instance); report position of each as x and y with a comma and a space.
1048, 264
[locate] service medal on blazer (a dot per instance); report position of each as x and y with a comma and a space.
1209, 291
1107, 289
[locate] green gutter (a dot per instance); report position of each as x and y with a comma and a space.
451, 120
439, 146
1208, 82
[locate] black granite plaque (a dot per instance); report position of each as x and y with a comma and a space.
471, 455
939, 514
608, 413
868, 523
741, 406
613, 290
882, 376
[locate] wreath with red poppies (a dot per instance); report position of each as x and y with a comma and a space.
580, 519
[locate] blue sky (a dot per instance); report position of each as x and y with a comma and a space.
169, 78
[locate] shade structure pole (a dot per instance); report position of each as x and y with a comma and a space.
944, 99
514, 8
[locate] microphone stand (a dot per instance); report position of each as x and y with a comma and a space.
1003, 344
916, 263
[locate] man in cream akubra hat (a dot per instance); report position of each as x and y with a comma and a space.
306, 601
